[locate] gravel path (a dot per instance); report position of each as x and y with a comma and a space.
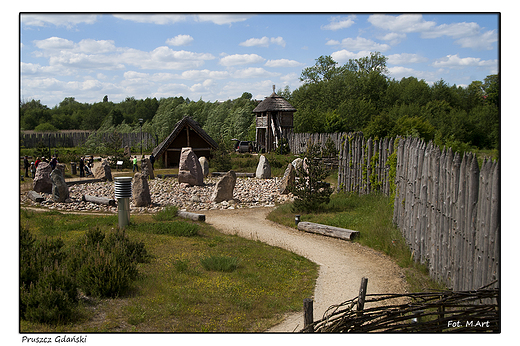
342, 263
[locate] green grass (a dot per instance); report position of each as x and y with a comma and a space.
371, 215
175, 291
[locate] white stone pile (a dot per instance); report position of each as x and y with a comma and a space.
248, 192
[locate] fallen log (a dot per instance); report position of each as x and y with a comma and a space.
192, 216
35, 196
331, 231
99, 200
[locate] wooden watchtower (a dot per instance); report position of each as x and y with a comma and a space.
274, 121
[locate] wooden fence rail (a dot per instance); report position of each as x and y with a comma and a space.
445, 206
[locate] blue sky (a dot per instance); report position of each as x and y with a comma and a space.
220, 56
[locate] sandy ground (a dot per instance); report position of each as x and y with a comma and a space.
342, 264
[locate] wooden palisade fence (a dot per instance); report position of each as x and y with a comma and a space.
445, 206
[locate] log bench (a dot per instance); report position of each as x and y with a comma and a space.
330, 231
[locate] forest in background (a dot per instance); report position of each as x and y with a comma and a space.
356, 96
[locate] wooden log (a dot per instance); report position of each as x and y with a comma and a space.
35, 196
335, 232
99, 200
362, 294
191, 216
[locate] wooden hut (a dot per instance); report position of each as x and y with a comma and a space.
187, 133
274, 121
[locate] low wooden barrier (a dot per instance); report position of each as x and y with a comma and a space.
330, 231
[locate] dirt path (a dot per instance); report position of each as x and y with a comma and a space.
342, 263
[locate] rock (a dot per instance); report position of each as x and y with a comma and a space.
204, 163
297, 163
127, 152
62, 167
263, 170
288, 179
141, 191
103, 171
224, 188
35, 196
42, 180
190, 171
146, 167
60, 190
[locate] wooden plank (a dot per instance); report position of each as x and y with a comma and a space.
99, 200
330, 231
191, 216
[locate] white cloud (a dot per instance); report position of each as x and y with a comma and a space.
254, 72
263, 42
221, 19
65, 20
394, 38
204, 74
405, 58
161, 19
283, 63
343, 56
337, 23
399, 72
54, 43
179, 40
454, 61
479, 42
405, 23
93, 46
164, 58
241, 59
359, 43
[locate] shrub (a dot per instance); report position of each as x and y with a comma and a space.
167, 214
220, 263
310, 190
47, 292
106, 266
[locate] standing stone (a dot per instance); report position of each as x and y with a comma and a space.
263, 170
141, 191
204, 163
224, 188
60, 190
127, 152
146, 167
42, 180
288, 179
190, 171
103, 171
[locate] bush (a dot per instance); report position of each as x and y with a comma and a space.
167, 214
220, 263
310, 190
47, 292
106, 266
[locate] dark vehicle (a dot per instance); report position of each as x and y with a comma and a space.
245, 147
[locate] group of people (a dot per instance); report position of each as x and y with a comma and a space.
85, 165
34, 164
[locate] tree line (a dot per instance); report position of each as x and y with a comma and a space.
356, 96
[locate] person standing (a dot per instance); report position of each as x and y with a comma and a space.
152, 160
81, 167
37, 162
33, 170
54, 162
134, 161
26, 165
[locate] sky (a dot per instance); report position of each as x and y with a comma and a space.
220, 56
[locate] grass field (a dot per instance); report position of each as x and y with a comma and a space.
199, 280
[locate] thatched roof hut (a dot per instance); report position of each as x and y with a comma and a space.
274, 121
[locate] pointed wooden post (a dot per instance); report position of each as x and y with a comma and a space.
308, 315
